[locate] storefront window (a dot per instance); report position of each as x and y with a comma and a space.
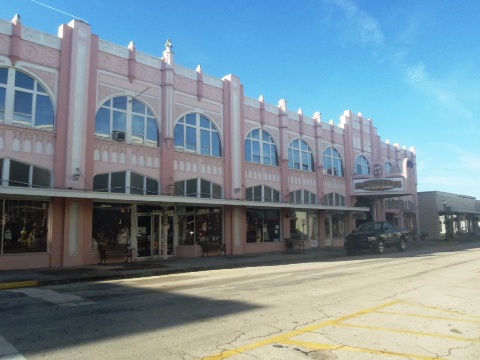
335, 225
298, 224
24, 226
199, 224
263, 225
111, 224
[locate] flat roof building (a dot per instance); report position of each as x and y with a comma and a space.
101, 144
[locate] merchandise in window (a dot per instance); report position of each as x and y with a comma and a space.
25, 226
263, 225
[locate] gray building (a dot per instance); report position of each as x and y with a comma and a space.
446, 216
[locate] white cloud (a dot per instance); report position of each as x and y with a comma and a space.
360, 23
418, 77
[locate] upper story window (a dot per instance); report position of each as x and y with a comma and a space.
387, 169
362, 166
260, 148
196, 133
332, 162
302, 196
24, 101
262, 193
199, 188
127, 119
300, 156
16, 173
334, 199
125, 182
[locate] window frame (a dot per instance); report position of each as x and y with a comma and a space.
300, 156
111, 117
267, 194
362, 165
258, 140
330, 160
195, 188
196, 133
124, 185
27, 105
32, 179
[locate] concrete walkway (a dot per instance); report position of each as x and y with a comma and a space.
10, 279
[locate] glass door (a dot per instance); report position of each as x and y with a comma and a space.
145, 245
149, 235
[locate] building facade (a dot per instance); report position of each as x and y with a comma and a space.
447, 216
101, 144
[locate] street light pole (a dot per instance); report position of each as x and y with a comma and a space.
446, 222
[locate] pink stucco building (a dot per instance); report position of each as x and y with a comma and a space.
102, 144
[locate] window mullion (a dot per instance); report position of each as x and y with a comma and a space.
128, 120
9, 97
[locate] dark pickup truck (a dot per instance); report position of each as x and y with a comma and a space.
375, 236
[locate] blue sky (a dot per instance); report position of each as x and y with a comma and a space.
411, 66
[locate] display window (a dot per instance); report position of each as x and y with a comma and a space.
24, 226
111, 224
263, 225
198, 225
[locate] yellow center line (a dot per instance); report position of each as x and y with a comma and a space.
441, 336
316, 346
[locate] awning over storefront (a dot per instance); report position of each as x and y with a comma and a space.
15, 192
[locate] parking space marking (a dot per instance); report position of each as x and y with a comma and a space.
430, 317
318, 346
421, 333
289, 338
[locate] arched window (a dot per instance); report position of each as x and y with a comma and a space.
332, 162
300, 156
24, 101
196, 133
125, 182
260, 148
362, 166
302, 196
262, 193
127, 119
198, 188
387, 169
16, 173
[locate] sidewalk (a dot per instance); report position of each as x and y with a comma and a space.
10, 279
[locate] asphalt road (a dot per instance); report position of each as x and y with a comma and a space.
413, 305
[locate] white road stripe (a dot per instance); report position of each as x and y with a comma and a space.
8, 352
54, 297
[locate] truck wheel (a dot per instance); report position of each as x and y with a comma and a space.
402, 245
380, 247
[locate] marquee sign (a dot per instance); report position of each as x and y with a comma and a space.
378, 185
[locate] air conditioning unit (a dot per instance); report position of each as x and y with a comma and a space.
118, 135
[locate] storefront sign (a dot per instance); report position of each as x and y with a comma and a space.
378, 185
395, 204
